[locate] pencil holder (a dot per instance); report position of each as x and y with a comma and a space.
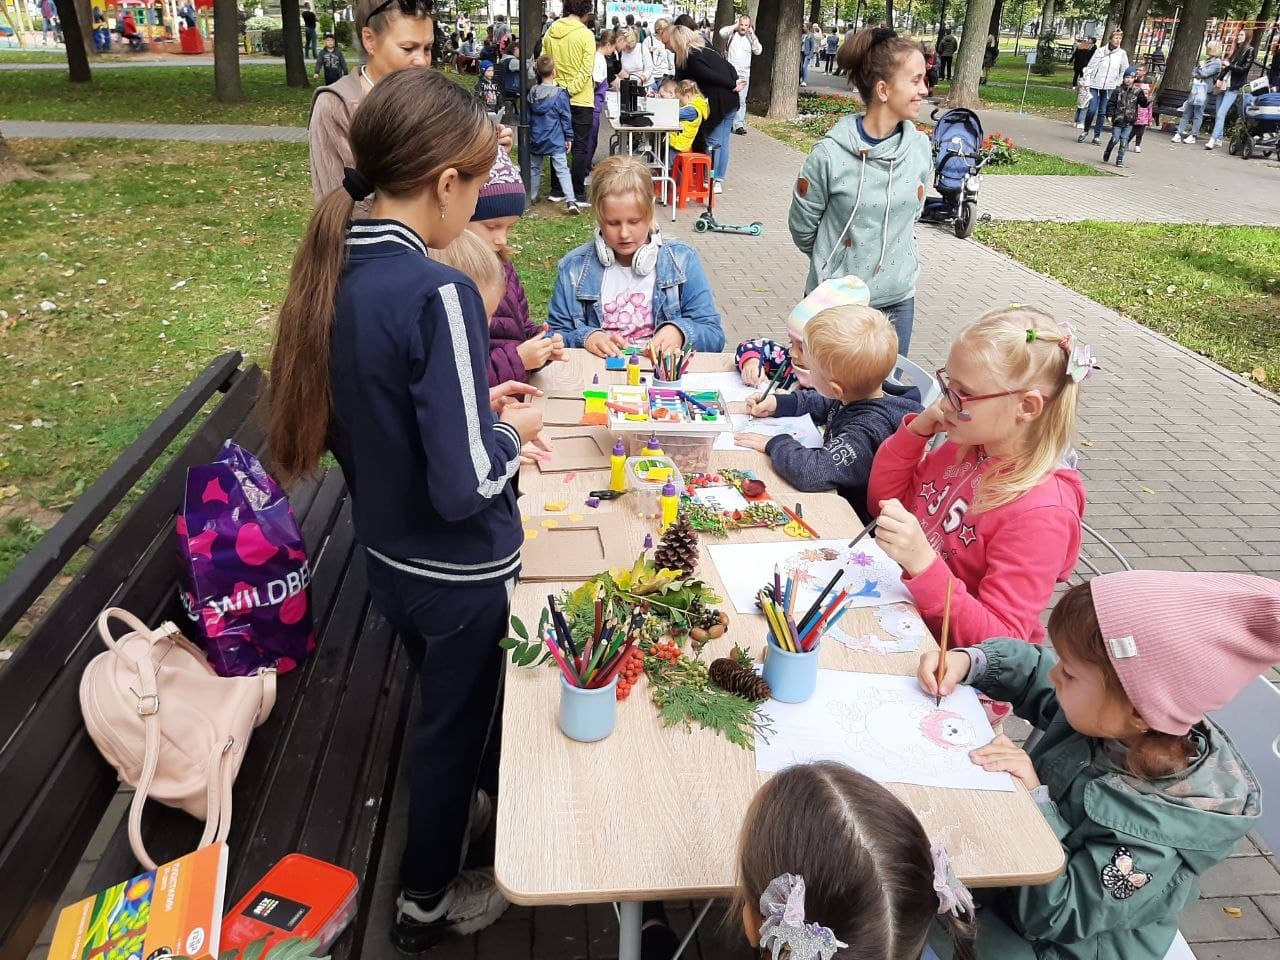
792, 677
588, 715
660, 384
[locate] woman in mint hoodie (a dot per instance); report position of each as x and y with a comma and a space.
856, 201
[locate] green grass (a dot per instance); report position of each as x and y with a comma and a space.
81, 382
14, 55
1215, 289
153, 94
821, 112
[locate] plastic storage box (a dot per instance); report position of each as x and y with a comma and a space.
691, 452
299, 897
645, 480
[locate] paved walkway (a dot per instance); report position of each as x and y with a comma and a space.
207, 132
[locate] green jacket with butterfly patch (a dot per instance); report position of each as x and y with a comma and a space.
1135, 848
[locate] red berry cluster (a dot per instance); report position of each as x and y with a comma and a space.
631, 670
665, 650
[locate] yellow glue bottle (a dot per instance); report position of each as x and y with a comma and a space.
652, 448
633, 371
618, 468
670, 504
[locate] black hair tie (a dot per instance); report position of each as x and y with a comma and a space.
356, 184
881, 34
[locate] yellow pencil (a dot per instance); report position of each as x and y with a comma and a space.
775, 624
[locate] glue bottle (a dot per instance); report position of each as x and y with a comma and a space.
618, 468
652, 448
670, 504
633, 371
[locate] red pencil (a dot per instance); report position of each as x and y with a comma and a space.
606, 674
814, 634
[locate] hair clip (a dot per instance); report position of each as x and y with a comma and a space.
1032, 336
782, 905
953, 896
356, 184
1081, 363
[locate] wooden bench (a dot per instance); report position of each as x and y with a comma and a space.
318, 774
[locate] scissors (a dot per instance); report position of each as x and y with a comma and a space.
794, 529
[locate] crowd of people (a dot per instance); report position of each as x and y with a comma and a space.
406, 346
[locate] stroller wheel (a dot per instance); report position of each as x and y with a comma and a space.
965, 218
1246, 149
1235, 146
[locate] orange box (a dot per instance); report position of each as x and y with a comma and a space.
299, 897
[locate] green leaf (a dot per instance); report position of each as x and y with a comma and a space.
518, 626
508, 643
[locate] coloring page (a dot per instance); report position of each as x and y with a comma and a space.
802, 429
729, 384
870, 576
883, 726
900, 621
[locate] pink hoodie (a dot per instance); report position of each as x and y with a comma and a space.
1006, 560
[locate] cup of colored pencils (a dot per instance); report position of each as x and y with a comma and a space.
669, 368
589, 669
791, 668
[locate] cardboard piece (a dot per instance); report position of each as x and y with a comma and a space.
563, 411
582, 449
579, 551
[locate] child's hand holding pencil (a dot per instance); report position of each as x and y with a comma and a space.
958, 663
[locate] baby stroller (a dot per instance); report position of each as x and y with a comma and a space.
1261, 128
957, 170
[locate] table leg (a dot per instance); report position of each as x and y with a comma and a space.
629, 930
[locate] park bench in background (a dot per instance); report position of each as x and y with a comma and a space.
318, 773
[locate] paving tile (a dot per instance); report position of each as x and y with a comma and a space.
1238, 950
1250, 876
1206, 920
1270, 907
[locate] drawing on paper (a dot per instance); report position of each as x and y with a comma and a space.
871, 577
906, 631
885, 727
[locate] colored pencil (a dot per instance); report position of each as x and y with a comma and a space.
776, 624
562, 627
608, 671
789, 595
800, 520
560, 661
777, 377
817, 604
942, 647
814, 633
701, 406
865, 530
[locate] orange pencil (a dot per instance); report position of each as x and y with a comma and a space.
942, 653
800, 520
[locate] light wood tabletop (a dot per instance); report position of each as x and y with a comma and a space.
653, 812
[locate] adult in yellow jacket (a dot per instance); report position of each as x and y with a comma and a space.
572, 45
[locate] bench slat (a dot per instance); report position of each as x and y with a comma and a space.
45, 561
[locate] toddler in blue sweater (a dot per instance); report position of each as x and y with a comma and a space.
851, 351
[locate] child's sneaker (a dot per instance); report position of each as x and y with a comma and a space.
1211, 143
1080, 139
1119, 163
719, 187
472, 903
1097, 141
572, 207
1189, 139
556, 197
1137, 148
1177, 138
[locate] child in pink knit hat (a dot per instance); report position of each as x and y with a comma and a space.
1145, 792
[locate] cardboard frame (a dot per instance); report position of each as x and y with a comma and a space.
581, 449
577, 551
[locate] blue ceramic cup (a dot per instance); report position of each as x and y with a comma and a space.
588, 715
792, 677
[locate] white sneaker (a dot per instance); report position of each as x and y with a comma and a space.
571, 208
1211, 143
719, 187
481, 814
555, 197
1137, 149
1189, 139
472, 903
1177, 138
803, 84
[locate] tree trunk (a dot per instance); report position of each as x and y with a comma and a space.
295, 67
888, 12
1115, 13
1135, 11
761, 90
942, 17
226, 52
84, 14
77, 56
815, 11
1186, 45
11, 168
996, 13
724, 16
968, 62
1046, 65
1264, 14
785, 89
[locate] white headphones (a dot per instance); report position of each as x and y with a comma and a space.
645, 260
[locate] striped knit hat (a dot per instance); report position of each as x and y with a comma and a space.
503, 194
838, 292
1184, 644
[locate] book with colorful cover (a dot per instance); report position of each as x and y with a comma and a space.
175, 909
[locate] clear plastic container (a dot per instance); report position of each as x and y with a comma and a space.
690, 451
645, 478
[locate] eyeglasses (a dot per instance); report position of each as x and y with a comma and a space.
958, 400
410, 8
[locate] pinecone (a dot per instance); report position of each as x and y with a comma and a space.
678, 549
727, 675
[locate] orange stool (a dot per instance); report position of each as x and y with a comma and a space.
692, 173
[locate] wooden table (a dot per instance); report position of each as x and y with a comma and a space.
551, 786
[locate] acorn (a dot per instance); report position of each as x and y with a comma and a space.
716, 632
699, 635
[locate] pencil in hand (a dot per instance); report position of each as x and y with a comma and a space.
942, 647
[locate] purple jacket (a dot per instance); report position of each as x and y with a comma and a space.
509, 327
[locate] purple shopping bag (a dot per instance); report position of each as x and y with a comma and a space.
245, 567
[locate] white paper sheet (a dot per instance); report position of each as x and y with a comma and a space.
728, 383
871, 577
721, 499
883, 726
803, 429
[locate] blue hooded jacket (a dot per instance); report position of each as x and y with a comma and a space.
550, 121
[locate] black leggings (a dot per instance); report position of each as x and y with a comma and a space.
1137, 134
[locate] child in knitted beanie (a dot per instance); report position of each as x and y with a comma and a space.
759, 358
516, 346
1144, 791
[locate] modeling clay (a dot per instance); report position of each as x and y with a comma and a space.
593, 502
568, 477
555, 506
551, 523
575, 518
530, 534
615, 363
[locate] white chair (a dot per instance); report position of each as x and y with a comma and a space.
1179, 949
1090, 563
907, 373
